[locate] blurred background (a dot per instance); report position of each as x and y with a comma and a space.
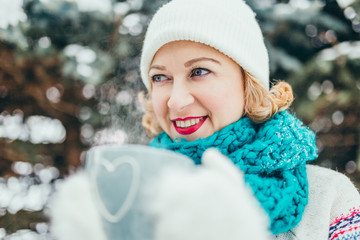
69, 80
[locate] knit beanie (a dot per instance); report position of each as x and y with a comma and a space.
226, 25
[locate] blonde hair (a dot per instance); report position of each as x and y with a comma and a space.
260, 104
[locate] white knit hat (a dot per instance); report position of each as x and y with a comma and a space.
226, 25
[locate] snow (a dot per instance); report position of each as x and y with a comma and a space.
11, 13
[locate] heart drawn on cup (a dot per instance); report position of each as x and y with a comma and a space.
111, 169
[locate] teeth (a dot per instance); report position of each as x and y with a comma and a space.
188, 123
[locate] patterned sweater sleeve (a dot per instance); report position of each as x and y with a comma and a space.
333, 211
345, 211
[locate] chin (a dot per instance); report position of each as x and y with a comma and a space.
190, 137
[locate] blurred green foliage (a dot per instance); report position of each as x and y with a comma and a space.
79, 65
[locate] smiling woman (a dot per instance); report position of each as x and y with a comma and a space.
207, 75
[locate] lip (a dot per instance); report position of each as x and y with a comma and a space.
189, 130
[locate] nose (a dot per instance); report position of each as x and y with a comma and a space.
180, 97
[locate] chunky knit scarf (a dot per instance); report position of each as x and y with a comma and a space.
272, 155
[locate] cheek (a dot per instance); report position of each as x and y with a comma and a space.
236, 105
226, 103
159, 105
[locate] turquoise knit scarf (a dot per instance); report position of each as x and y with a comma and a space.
272, 155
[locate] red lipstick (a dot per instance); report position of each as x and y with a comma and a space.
191, 129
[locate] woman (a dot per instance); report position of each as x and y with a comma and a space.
206, 67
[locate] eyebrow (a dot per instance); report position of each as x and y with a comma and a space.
192, 61
159, 67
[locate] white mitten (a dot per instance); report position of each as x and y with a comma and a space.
211, 202
73, 212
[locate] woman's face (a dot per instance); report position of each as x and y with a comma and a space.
196, 90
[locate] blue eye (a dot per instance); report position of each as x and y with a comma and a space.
158, 78
199, 72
